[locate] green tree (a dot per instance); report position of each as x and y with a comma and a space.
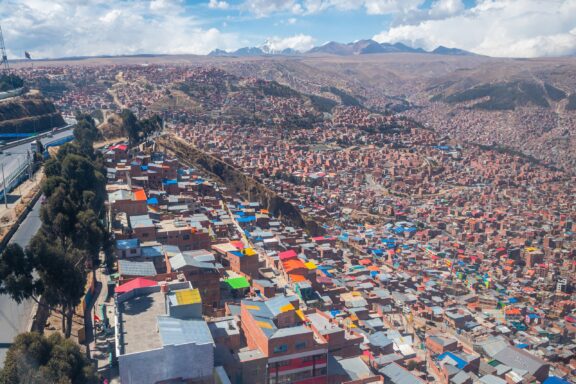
139, 130
86, 134
130, 126
16, 274
37, 359
52, 167
9, 82
46, 270
61, 276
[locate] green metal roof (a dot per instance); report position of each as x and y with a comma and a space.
238, 283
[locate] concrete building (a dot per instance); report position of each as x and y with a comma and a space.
161, 336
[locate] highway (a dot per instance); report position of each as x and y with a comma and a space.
15, 318
15, 157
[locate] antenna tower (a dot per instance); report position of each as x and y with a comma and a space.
4, 58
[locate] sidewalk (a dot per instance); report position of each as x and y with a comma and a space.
101, 343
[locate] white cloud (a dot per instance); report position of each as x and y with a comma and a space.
297, 42
58, 28
111, 16
216, 4
520, 28
263, 8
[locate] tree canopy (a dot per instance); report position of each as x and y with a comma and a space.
86, 134
139, 130
72, 234
10, 81
37, 359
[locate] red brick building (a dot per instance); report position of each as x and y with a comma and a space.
293, 352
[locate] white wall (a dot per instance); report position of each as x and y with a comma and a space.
189, 361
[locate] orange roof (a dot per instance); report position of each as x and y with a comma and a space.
293, 264
513, 311
140, 195
296, 278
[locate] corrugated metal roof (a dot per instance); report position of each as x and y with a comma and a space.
136, 268
188, 296
177, 331
398, 375
127, 243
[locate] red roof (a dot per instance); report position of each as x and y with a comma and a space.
133, 284
238, 244
287, 254
120, 147
323, 238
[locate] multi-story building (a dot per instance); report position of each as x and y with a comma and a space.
200, 268
161, 336
292, 351
181, 234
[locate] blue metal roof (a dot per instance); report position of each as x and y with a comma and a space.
127, 243
460, 363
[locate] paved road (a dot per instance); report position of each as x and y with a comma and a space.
14, 157
14, 318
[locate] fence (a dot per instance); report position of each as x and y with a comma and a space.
21, 173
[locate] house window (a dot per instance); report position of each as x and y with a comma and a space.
300, 345
280, 348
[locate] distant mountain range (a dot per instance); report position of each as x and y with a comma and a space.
361, 47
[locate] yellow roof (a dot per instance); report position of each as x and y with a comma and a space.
531, 249
249, 252
300, 314
264, 324
287, 307
188, 296
310, 265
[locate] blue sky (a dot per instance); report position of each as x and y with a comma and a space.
329, 25
62, 28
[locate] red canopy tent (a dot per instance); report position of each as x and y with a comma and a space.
136, 283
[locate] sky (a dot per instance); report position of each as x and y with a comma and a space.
502, 28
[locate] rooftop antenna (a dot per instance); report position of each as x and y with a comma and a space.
4, 59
